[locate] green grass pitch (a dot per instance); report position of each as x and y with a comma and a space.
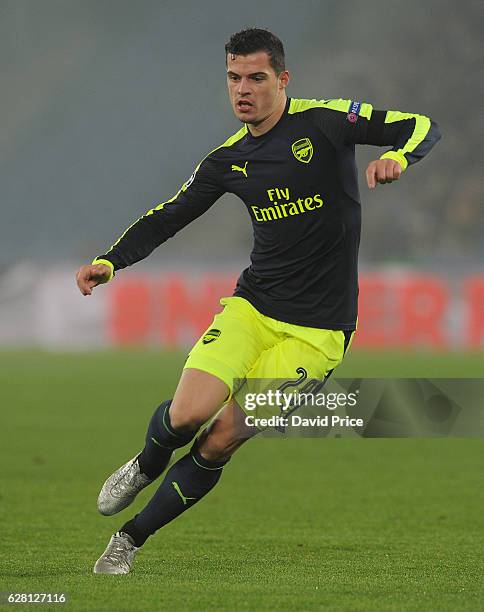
295, 524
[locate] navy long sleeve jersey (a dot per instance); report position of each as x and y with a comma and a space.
299, 184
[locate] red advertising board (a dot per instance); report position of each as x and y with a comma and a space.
407, 310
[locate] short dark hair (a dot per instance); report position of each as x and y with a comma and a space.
252, 40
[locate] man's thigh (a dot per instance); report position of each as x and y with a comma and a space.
197, 398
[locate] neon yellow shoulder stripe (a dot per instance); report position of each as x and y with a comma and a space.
299, 106
422, 127
229, 142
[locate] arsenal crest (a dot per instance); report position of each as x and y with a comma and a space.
302, 150
211, 335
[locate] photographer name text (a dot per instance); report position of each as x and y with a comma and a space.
297, 421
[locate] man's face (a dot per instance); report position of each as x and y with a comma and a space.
254, 88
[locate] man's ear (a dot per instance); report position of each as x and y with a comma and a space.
284, 79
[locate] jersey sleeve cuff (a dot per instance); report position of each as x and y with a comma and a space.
398, 157
106, 262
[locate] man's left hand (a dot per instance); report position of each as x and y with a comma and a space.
382, 171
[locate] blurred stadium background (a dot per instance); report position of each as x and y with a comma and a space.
107, 107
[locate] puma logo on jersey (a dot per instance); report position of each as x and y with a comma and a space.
239, 169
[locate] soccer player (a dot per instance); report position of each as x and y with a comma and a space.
294, 309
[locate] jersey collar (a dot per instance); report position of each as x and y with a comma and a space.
273, 128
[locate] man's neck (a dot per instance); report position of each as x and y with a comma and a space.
270, 121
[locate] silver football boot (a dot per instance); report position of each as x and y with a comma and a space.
120, 489
118, 556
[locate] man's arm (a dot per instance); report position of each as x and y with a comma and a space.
410, 135
155, 227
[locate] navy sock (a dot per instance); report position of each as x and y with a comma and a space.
161, 440
185, 483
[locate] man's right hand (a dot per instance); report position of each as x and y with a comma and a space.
91, 276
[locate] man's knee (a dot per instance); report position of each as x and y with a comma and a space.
216, 444
184, 416
163, 433
225, 434
213, 447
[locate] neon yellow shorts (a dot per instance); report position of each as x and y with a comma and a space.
242, 344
